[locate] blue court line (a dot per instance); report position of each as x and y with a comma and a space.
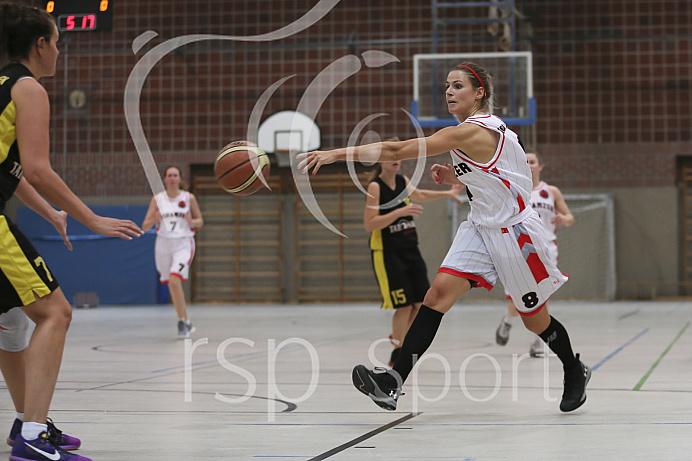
673, 310
616, 351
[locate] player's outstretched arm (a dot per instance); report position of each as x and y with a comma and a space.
32, 121
480, 144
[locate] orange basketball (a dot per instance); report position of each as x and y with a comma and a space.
239, 166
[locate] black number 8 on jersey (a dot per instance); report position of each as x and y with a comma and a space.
530, 299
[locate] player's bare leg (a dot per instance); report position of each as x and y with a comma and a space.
52, 315
175, 288
12, 367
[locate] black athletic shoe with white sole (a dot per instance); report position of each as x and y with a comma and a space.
576, 379
384, 388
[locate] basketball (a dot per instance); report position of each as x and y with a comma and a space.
239, 166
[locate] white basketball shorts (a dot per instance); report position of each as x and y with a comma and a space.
552, 256
173, 257
14, 327
518, 255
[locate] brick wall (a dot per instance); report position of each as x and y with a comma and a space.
612, 82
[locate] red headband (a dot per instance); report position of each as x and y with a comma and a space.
479, 79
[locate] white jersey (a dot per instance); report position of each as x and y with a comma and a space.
173, 223
500, 190
543, 203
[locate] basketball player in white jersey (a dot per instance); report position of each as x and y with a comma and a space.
551, 207
176, 215
503, 237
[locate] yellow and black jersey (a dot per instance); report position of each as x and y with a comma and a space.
23, 272
401, 234
10, 166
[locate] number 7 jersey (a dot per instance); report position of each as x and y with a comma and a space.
173, 223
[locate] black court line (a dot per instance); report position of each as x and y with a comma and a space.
357, 440
628, 314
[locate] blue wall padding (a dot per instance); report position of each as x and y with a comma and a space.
120, 271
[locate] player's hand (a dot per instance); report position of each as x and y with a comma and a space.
188, 217
411, 210
559, 219
443, 174
59, 221
315, 159
455, 190
111, 227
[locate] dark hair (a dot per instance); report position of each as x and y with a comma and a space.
20, 27
479, 78
377, 168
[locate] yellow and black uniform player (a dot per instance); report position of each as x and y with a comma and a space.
396, 259
23, 272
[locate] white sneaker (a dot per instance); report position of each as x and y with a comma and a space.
537, 348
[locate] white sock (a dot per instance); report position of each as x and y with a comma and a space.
509, 319
31, 431
20, 416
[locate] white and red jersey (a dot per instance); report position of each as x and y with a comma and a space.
500, 190
173, 223
543, 203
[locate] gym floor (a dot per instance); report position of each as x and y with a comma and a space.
273, 382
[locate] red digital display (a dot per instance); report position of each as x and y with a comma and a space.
81, 15
76, 22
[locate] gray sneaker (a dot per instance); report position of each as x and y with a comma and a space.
537, 348
190, 327
502, 332
183, 331
384, 388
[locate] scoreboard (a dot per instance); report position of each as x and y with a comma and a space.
81, 15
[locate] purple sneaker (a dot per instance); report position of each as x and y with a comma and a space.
14, 432
55, 435
40, 450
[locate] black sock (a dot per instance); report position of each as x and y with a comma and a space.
558, 340
418, 339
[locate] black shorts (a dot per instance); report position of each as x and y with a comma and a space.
402, 277
22, 270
